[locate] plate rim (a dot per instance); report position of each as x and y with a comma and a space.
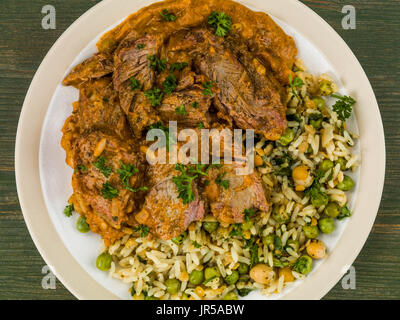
57, 255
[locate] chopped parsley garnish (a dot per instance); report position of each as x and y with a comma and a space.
181, 110
68, 210
157, 64
82, 168
207, 88
184, 184
196, 244
343, 106
195, 105
143, 229
169, 84
167, 16
169, 138
100, 164
248, 214
236, 231
155, 96
222, 183
141, 46
108, 191
135, 84
200, 125
251, 243
125, 172
294, 83
318, 197
178, 66
221, 23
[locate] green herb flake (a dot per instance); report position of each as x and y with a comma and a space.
135, 84
154, 96
68, 210
143, 229
221, 22
141, 46
169, 138
181, 110
343, 106
169, 84
196, 244
207, 88
294, 83
167, 16
157, 64
222, 183
108, 191
178, 66
100, 164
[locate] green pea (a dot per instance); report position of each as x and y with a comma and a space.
325, 165
303, 265
342, 162
347, 184
326, 225
232, 278
316, 123
82, 225
243, 268
287, 137
196, 277
247, 225
185, 296
319, 102
280, 215
267, 240
320, 199
210, 226
172, 285
179, 239
103, 261
311, 232
230, 296
332, 210
244, 292
211, 272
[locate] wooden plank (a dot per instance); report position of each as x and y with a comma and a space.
23, 44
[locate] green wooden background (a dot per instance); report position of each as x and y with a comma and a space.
23, 44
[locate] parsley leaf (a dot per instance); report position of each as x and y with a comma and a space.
196, 244
155, 96
184, 184
141, 46
178, 66
236, 231
68, 210
343, 106
101, 165
108, 191
167, 16
344, 213
143, 229
181, 110
223, 183
249, 213
294, 83
200, 125
207, 88
169, 84
221, 22
157, 64
125, 172
195, 105
82, 168
135, 84
169, 138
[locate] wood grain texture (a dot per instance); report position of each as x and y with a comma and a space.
23, 45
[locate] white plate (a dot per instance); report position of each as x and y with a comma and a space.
72, 255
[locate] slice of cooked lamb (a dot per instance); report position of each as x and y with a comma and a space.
164, 212
230, 194
95, 67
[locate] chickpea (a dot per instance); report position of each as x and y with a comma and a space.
316, 249
261, 273
287, 274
